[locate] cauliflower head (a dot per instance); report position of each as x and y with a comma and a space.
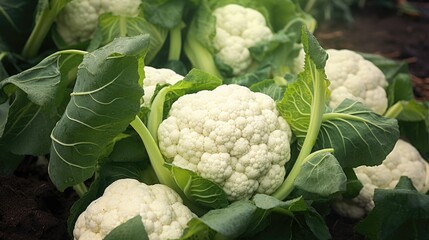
154, 76
403, 160
163, 214
237, 29
78, 20
231, 136
353, 77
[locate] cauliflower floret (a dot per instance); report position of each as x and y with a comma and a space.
353, 77
163, 214
231, 136
155, 76
404, 160
237, 29
78, 20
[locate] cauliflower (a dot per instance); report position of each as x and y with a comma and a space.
352, 77
78, 20
155, 76
403, 160
231, 136
237, 29
163, 214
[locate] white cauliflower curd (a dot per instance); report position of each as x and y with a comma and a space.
231, 136
403, 160
153, 77
78, 20
161, 209
237, 29
352, 77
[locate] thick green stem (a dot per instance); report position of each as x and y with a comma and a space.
157, 162
200, 57
156, 158
80, 189
175, 43
40, 30
156, 113
123, 26
316, 114
394, 110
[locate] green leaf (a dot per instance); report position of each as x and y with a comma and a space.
298, 220
165, 13
32, 115
229, 222
106, 98
4, 112
266, 202
404, 214
417, 133
132, 229
321, 175
111, 27
405, 183
317, 225
267, 205
270, 88
298, 101
28, 127
199, 189
38, 82
303, 106
357, 135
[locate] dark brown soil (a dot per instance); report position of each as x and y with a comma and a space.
388, 33
31, 208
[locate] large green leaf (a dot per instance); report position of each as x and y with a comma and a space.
39, 82
321, 175
165, 13
357, 135
105, 99
398, 214
298, 105
28, 121
28, 127
111, 26
229, 222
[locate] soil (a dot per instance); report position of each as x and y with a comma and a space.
31, 207
388, 33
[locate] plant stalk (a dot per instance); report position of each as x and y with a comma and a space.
175, 43
80, 189
316, 115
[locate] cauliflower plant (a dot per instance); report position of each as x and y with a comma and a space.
403, 160
163, 214
237, 29
78, 20
352, 77
231, 136
155, 76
